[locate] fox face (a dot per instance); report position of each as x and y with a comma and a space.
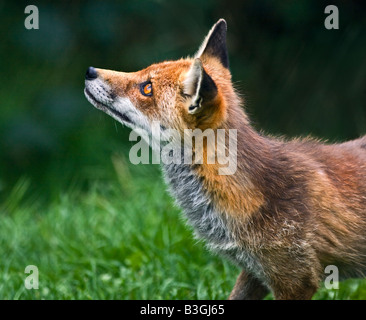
189, 93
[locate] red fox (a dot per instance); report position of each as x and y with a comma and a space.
291, 208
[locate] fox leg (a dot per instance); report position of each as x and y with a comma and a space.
248, 288
286, 290
296, 279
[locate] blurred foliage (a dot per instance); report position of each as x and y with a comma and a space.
297, 77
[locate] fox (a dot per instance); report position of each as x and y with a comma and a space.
292, 207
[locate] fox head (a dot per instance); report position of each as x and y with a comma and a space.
191, 93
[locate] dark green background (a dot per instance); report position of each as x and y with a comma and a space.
297, 77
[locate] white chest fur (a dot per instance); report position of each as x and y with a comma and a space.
198, 208
207, 222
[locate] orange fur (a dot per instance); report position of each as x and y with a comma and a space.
290, 209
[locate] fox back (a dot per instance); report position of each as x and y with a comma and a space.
289, 209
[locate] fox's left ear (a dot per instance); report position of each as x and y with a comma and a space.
215, 44
199, 86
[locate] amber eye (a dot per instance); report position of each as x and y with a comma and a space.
146, 88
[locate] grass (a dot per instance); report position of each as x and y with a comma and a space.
114, 241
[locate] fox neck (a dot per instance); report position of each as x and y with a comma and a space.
239, 194
211, 201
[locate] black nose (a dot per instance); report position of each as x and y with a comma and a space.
91, 74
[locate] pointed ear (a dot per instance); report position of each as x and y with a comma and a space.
215, 43
199, 86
